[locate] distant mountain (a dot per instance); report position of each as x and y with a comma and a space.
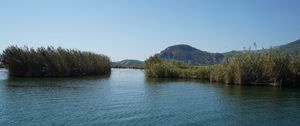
231, 53
194, 56
128, 63
291, 48
190, 55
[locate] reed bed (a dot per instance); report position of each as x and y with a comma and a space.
250, 67
53, 62
157, 68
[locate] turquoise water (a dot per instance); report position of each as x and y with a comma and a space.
127, 98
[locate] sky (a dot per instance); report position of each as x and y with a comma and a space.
137, 29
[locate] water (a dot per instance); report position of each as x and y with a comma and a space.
127, 98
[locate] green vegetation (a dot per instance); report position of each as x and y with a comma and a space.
194, 56
128, 63
249, 67
127, 67
158, 68
292, 48
53, 62
190, 55
1, 64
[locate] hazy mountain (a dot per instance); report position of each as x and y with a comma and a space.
128, 63
291, 48
190, 55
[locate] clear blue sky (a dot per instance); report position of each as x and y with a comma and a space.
136, 29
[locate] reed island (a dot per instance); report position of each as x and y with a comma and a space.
53, 62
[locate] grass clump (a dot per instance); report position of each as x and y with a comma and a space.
53, 62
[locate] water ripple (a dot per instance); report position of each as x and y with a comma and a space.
126, 98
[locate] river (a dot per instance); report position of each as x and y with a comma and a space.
126, 97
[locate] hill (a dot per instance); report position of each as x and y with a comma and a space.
194, 56
190, 55
128, 63
291, 48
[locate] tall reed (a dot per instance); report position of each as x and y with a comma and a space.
250, 67
253, 67
53, 62
158, 68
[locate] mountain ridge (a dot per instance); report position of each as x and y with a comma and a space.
128, 63
291, 47
190, 55
193, 56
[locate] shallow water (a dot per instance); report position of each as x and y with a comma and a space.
127, 98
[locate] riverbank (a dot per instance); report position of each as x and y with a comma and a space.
273, 68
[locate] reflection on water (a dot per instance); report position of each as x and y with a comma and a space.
53, 82
163, 80
127, 98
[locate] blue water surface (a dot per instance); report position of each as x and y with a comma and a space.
126, 97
